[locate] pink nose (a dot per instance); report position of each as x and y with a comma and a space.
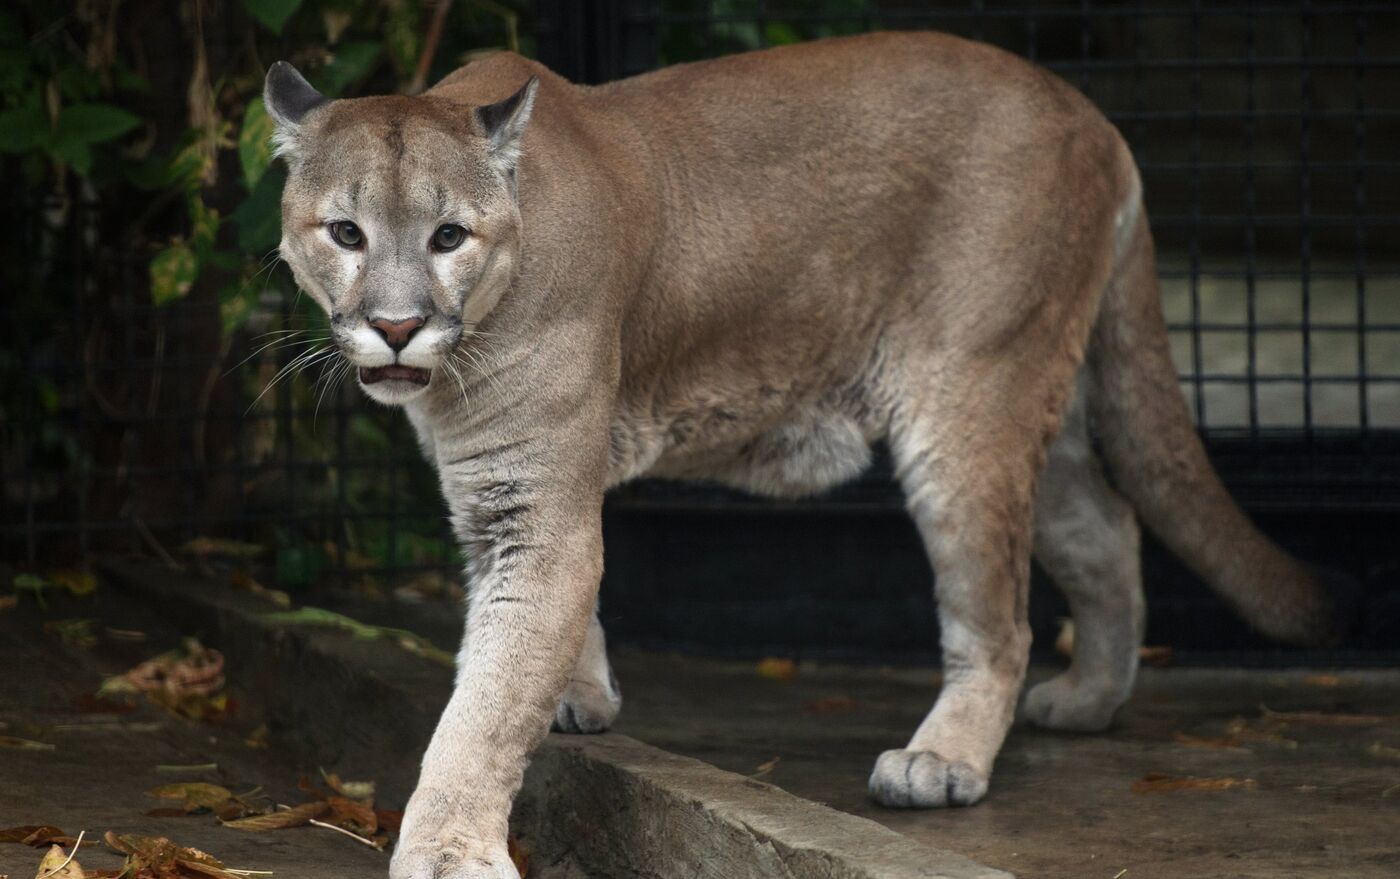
397, 332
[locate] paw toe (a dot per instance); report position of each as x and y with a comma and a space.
905, 779
587, 710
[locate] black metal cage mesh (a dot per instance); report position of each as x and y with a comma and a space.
1267, 137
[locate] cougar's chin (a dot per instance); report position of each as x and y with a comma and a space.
394, 384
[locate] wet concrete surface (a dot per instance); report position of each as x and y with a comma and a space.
1314, 796
100, 765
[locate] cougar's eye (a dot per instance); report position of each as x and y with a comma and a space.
448, 237
347, 234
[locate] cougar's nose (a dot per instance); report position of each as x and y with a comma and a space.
396, 332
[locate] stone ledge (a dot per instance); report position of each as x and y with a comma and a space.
606, 805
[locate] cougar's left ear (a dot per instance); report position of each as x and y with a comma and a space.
503, 123
289, 98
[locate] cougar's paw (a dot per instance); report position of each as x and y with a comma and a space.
587, 707
1073, 706
905, 779
450, 862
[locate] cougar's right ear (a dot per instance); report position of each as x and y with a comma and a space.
289, 98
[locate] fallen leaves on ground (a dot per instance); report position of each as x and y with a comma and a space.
220, 546
36, 835
296, 816
158, 858
9, 602
329, 619
244, 581
1323, 680
766, 767
1322, 718
74, 632
1378, 749
75, 582
777, 668
18, 744
187, 682
58, 864
1158, 782
194, 796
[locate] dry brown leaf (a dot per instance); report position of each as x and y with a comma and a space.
36, 835
186, 682
777, 668
1158, 654
58, 865
8, 602
388, 819
1323, 681
519, 854
1322, 718
258, 738
159, 858
195, 795
1377, 749
1157, 782
19, 744
362, 791
766, 767
293, 817
353, 815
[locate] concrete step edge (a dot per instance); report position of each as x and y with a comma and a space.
614, 805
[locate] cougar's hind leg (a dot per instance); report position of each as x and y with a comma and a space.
592, 698
1086, 539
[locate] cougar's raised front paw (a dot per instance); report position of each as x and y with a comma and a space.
905, 779
587, 707
1074, 706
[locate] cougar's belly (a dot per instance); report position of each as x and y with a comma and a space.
805, 452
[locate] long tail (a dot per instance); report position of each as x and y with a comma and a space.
1158, 462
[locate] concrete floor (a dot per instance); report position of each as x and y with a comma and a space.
1324, 799
101, 764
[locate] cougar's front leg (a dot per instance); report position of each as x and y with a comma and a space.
532, 534
969, 487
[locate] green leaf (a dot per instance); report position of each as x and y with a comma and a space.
238, 302
74, 153
204, 226
92, 123
255, 143
259, 218
23, 129
271, 14
173, 272
352, 62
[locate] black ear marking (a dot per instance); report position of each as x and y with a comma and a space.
288, 96
504, 122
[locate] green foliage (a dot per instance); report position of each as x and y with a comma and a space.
271, 14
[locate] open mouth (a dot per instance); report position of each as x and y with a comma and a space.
371, 374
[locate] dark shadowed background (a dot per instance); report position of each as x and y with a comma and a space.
164, 391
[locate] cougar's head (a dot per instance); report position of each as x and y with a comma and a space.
399, 218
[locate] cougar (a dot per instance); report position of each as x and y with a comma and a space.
749, 270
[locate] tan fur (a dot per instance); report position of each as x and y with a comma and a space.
749, 270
